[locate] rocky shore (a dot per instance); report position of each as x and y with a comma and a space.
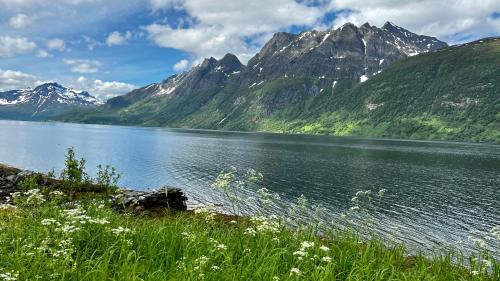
163, 198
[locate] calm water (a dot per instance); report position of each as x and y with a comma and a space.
437, 192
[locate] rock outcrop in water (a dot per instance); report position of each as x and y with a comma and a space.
165, 198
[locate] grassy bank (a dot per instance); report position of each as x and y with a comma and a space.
51, 235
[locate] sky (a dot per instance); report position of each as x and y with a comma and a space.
109, 47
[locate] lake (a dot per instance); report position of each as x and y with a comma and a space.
438, 193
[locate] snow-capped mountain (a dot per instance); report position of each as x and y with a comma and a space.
346, 53
44, 101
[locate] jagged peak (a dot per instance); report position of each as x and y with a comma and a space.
230, 62
50, 84
366, 25
348, 25
388, 25
208, 61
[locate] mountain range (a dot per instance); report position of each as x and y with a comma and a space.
353, 80
45, 101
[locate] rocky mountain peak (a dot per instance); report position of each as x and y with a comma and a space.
230, 63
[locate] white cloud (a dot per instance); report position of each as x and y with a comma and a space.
166, 4
91, 42
229, 26
13, 80
56, 44
181, 65
10, 46
20, 21
43, 54
116, 38
446, 19
103, 90
214, 28
83, 66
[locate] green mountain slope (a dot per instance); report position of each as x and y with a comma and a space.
450, 94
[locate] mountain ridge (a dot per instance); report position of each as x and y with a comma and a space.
43, 101
447, 94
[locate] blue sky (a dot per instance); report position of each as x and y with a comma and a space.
109, 47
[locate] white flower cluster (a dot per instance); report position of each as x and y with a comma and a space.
303, 252
208, 212
8, 276
32, 197
263, 224
7, 207
120, 230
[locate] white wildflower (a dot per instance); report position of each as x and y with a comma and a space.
221, 247
326, 259
99, 221
9, 276
120, 230
300, 253
48, 221
324, 248
306, 244
250, 231
295, 271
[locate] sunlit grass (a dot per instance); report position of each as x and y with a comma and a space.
90, 241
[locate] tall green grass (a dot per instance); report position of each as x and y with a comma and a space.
90, 241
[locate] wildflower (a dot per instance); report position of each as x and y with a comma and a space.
6, 206
324, 248
295, 271
276, 239
48, 221
254, 176
250, 231
201, 260
185, 234
326, 259
300, 253
214, 268
276, 278
68, 228
475, 272
56, 193
207, 211
221, 247
99, 221
120, 230
307, 244
9, 276
247, 250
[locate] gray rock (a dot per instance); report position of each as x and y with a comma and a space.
167, 197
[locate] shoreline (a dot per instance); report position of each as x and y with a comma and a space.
174, 129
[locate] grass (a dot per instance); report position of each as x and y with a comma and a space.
50, 234
95, 243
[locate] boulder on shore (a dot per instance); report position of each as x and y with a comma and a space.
167, 197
